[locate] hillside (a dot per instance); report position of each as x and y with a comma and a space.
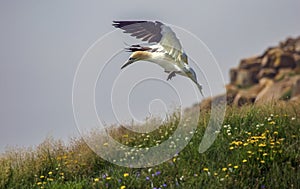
257, 146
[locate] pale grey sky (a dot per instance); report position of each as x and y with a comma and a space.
42, 43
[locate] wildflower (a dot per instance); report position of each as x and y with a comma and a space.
236, 166
164, 185
147, 178
231, 148
39, 183
262, 145
244, 161
96, 179
205, 169
262, 161
105, 144
157, 173
224, 169
265, 154
50, 173
275, 133
229, 164
123, 187
272, 122
126, 174
108, 178
215, 174
42, 176
293, 118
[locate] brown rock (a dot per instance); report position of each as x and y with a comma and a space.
232, 75
277, 58
243, 98
249, 63
285, 60
284, 73
275, 91
266, 72
246, 78
231, 91
296, 86
296, 99
247, 96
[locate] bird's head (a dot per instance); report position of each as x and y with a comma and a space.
137, 56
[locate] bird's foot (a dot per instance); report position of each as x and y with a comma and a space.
172, 74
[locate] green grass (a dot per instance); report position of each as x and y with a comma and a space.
258, 147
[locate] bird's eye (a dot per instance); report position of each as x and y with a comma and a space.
131, 58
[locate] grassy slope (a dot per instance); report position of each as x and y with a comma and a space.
258, 147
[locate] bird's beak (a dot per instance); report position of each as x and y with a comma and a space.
130, 61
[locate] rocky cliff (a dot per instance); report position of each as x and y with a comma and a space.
271, 76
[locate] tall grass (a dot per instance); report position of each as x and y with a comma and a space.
258, 147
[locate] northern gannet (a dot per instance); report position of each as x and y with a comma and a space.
163, 48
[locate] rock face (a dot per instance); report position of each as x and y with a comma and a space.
273, 75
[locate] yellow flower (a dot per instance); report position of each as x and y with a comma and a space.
262, 161
236, 166
244, 161
108, 178
50, 173
205, 169
231, 148
265, 154
275, 133
42, 176
96, 179
122, 187
229, 164
50, 179
224, 169
125, 136
262, 145
39, 183
174, 159
246, 144
126, 174
272, 122
216, 174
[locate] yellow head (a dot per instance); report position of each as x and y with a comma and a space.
136, 56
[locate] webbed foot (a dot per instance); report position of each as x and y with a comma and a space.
172, 74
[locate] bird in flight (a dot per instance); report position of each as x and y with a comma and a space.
163, 48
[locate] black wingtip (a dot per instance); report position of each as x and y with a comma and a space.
120, 24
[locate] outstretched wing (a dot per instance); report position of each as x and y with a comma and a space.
155, 32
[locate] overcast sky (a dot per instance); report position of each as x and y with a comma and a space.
42, 43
